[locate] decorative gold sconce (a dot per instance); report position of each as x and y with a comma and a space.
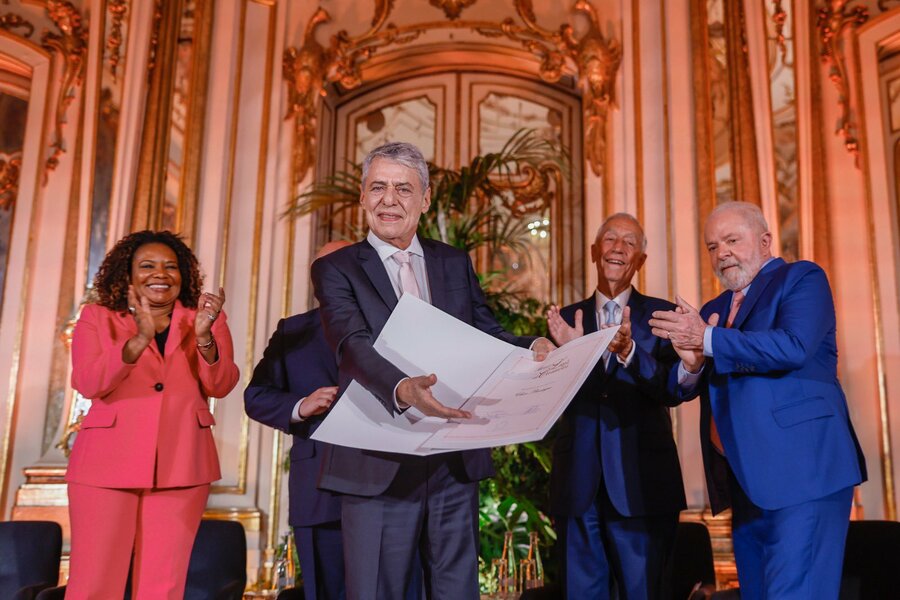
593, 57
117, 10
10, 164
71, 44
833, 20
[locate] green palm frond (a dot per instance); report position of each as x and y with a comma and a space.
339, 191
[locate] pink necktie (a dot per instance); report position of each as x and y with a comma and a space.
408, 283
736, 301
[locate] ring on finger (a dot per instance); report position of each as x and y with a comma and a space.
131, 309
211, 316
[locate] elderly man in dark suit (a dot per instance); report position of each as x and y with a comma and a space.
292, 388
394, 503
615, 485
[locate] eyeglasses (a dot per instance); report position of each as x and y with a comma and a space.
401, 190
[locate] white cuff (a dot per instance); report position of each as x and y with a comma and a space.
686, 379
295, 414
627, 360
397, 402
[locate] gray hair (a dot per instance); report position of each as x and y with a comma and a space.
751, 213
404, 153
623, 215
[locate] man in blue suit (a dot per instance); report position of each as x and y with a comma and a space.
778, 445
393, 503
615, 486
292, 388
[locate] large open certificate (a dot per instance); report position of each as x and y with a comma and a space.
512, 397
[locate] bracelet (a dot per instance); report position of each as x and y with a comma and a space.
211, 341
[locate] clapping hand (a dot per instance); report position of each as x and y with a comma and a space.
208, 308
621, 343
140, 310
684, 327
560, 331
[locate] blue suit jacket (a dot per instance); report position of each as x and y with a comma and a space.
618, 428
356, 299
773, 390
296, 362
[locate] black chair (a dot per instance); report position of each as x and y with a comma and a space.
218, 567
54, 593
693, 573
29, 557
292, 593
871, 560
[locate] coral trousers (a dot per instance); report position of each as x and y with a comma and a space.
157, 526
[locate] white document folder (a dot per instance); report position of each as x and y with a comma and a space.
512, 397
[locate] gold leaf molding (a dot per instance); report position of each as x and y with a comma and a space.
593, 57
71, 44
833, 20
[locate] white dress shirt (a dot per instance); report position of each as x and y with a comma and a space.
600, 300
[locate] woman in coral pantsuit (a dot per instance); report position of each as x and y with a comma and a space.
148, 353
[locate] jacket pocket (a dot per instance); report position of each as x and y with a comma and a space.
205, 418
804, 410
303, 449
99, 418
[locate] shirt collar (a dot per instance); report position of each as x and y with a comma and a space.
600, 299
386, 250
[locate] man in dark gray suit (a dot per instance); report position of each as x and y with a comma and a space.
395, 503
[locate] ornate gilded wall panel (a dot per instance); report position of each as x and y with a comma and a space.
171, 149
13, 113
593, 57
780, 49
727, 163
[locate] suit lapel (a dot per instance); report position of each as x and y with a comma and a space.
434, 271
374, 269
589, 314
180, 325
639, 317
757, 287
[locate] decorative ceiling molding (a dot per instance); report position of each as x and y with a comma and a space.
593, 57
833, 20
452, 8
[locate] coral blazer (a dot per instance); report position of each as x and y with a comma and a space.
149, 423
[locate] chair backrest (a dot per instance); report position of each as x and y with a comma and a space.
692, 559
218, 567
29, 556
872, 558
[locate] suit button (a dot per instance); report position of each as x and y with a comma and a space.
158, 387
